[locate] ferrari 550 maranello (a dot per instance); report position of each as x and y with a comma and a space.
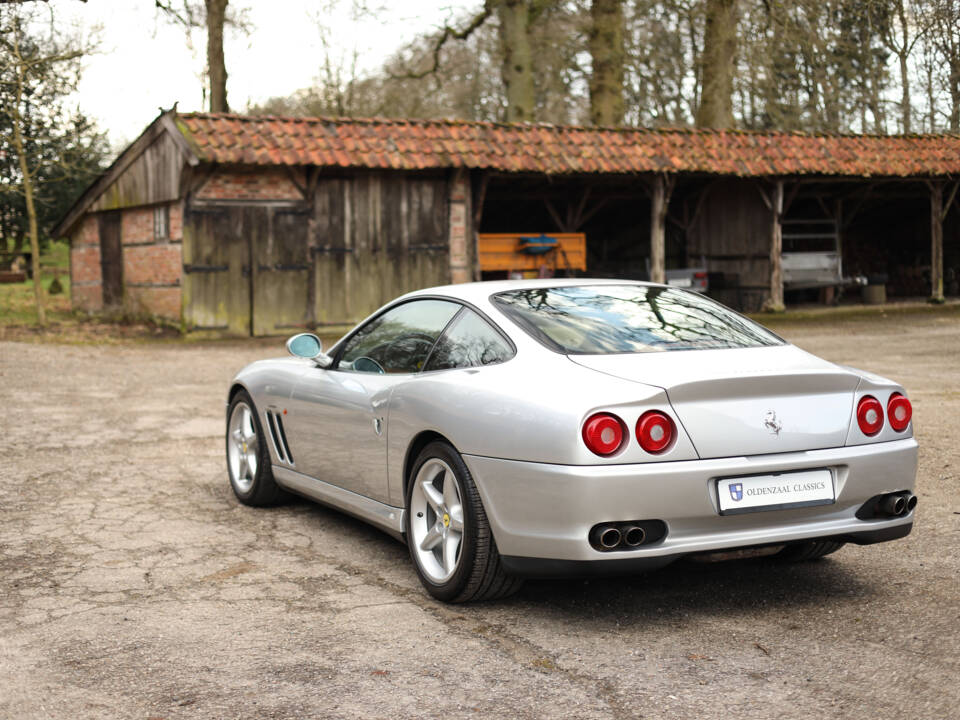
573, 427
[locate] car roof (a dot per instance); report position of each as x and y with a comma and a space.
478, 293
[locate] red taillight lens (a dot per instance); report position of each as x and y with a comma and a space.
603, 433
899, 411
869, 415
654, 431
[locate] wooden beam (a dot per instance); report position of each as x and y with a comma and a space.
790, 198
597, 207
480, 198
775, 301
660, 190
555, 215
576, 217
949, 202
936, 242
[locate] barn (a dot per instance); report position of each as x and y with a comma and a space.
261, 225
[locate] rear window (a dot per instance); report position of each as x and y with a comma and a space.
609, 319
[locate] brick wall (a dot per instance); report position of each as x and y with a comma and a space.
251, 185
85, 290
459, 232
152, 265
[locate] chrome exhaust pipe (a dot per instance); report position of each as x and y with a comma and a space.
893, 505
609, 538
633, 535
911, 503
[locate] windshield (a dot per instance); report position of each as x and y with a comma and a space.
608, 319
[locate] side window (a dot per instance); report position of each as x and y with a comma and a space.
399, 340
469, 342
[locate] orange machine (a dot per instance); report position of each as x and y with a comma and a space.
530, 253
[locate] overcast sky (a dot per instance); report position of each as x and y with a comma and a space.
144, 62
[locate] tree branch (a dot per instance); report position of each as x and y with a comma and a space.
448, 33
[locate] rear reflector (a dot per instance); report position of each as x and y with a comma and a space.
604, 434
899, 411
654, 431
869, 415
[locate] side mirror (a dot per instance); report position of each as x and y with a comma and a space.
308, 345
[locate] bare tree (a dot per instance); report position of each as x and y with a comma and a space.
517, 66
718, 62
942, 21
900, 36
605, 41
212, 16
37, 71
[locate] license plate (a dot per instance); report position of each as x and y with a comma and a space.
780, 491
680, 282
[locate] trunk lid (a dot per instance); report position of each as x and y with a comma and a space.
749, 401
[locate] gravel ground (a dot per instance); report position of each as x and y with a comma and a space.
133, 585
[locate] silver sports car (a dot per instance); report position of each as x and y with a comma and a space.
572, 427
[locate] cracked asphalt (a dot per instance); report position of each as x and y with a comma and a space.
133, 585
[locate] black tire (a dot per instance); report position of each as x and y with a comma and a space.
813, 550
263, 490
479, 574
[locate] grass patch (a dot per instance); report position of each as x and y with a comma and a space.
18, 312
845, 313
18, 305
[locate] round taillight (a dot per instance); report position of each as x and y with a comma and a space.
899, 411
603, 433
869, 415
654, 431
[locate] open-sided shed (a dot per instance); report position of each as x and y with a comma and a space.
261, 225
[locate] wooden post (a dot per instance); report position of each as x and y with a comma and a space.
660, 191
936, 242
775, 302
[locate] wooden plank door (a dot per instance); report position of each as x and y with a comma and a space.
111, 258
281, 270
216, 270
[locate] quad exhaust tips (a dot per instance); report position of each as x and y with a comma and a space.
610, 536
890, 505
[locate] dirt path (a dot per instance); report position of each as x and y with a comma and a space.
132, 584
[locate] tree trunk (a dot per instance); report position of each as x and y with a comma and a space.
903, 54
216, 66
27, 181
717, 62
936, 242
905, 94
775, 302
954, 82
606, 53
661, 190
517, 68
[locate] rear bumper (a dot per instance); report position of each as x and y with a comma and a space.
544, 512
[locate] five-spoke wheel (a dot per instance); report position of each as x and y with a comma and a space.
248, 459
437, 520
449, 536
242, 447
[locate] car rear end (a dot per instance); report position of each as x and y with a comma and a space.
748, 446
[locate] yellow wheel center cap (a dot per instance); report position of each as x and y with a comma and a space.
244, 447
446, 520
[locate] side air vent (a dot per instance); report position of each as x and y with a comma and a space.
283, 440
279, 437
